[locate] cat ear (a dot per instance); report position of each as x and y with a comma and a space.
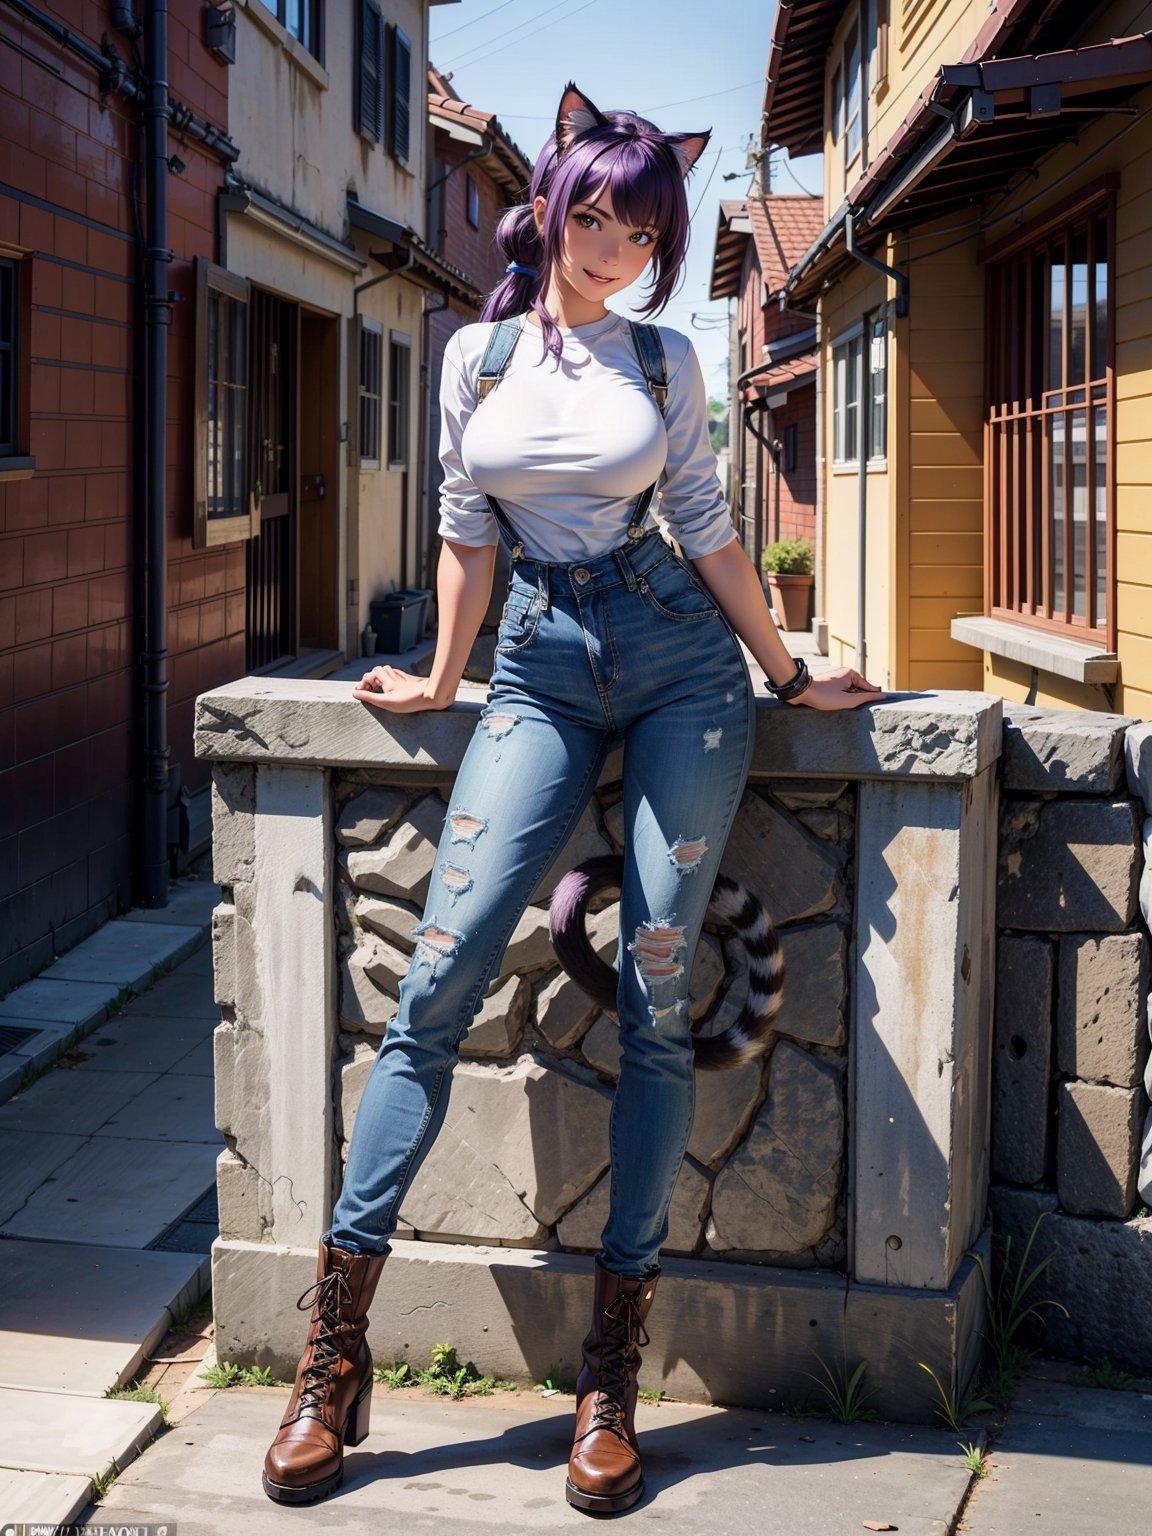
575, 115
688, 147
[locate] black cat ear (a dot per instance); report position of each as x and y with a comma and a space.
575, 115
688, 147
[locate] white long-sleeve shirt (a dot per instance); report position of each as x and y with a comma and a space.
566, 445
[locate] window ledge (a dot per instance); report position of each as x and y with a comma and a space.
1082, 661
306, 62
21, 467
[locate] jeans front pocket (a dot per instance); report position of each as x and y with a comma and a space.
519, 620
675, 593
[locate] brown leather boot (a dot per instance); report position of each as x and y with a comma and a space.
332, 1396
604, 1471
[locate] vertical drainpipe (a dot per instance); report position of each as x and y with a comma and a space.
157, 319
819, 620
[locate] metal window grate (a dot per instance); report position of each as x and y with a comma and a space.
12, 1037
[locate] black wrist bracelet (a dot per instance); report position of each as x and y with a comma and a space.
795, 685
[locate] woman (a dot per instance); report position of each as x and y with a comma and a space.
607, 633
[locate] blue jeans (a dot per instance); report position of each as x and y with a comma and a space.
630, 644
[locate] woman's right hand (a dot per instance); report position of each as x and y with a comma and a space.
402, 693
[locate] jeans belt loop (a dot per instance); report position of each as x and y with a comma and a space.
542, 585
622, 560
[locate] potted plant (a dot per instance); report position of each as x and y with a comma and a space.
787, 565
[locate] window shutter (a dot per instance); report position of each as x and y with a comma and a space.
369, 94
401, 92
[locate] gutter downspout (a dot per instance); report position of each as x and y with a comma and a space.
157, 319
424, 458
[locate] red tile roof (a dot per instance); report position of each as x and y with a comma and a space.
784, 226
507, 162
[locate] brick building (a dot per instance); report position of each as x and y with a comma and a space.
772, 441
476, 173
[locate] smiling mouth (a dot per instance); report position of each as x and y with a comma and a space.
596, 278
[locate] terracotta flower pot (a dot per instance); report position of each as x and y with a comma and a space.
792, 598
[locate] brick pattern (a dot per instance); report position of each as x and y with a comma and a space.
67, 534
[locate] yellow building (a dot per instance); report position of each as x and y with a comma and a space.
983, 287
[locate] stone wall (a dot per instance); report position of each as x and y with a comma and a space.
764, 1179
833, 1193
1072, 1077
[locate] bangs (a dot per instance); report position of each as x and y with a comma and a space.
646, 188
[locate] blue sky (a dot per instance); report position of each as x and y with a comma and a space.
685, 65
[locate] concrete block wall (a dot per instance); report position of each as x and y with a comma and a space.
846, 1176
1072, 1073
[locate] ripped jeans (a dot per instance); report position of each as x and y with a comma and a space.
629, 645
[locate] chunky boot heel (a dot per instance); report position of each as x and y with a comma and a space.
332, 1395
356, 1429
604, 1473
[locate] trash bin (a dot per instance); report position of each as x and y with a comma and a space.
398, 619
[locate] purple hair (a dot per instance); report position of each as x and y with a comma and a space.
645, 177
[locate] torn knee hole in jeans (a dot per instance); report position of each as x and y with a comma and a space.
674, 1010
455, 880
656, 948
435, 943
497, 725
466, 828
712, 738
686, 852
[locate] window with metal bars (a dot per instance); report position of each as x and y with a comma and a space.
370, 72
371, 368
1049, 476
9, 357
399, 384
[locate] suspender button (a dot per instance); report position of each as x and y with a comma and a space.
580, 575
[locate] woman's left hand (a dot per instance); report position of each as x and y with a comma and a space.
844, 688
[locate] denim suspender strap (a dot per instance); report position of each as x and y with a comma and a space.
501, 345
650, 352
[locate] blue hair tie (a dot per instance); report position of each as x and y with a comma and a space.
515, 266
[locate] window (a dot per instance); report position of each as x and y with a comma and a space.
1051, 414
791, 447
845, 400
399, 372
304, 19
854, 68
223, 510
9, 357
879, 24
878, 388
370, 72
846, 383
853, 93
371, 365
472, 201
400, 93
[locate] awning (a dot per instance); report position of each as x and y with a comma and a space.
424, 265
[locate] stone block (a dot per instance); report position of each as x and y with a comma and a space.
600, 1047
794, 874
779, 1192
363, 1004
403, 865
366, 817
224, 953
1100, 1274
812, 796
239, 1199
563, 1012
822, 824
499, 1026
725, 1104
233, 822
815, 984
1101, 1031
1098, 1148
1145, 889
519, 1146
530, 946
352, 1073
1062, 749
1022, 1058
240, 1070
383, 964
1067, 866
1144, 1173
586, 841
392, 920
604, 932
584, 1223
1138, 762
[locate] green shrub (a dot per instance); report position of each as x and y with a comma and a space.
788, 557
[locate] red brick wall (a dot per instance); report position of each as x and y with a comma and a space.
793, 516
68, 534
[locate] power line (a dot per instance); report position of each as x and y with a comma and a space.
475, 20
466, 58
687, 100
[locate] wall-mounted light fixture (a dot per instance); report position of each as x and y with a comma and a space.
220, 31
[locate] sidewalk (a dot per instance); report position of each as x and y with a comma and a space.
107, 1193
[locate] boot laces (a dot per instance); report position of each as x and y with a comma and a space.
331, 1295
623, 1340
